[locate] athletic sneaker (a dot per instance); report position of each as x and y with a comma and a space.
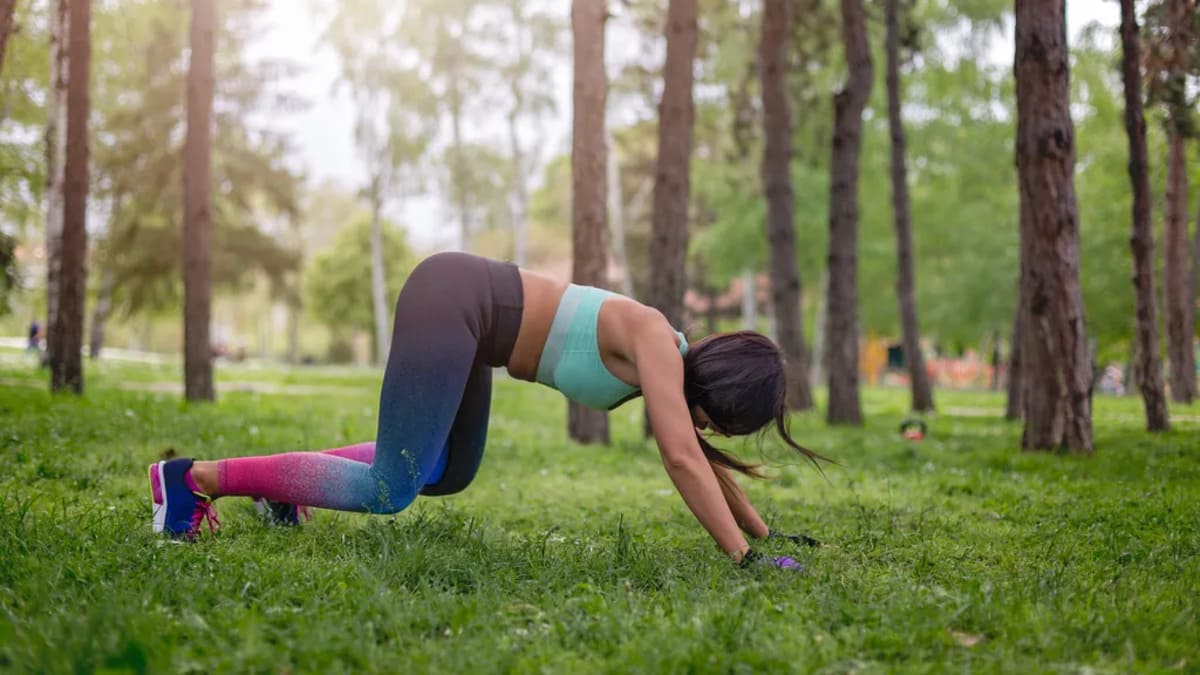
179, 505
281, 513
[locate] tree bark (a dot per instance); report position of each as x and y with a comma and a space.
1056, 367
1147, 366
672, 182
922, 393
616, 215
1178, 295
197, 206
776, 170
56, 150
520, 188
1177, 271
588, 186
1014, 407
458, 167
379, 301
845, 406
100, 314
66, 359
7, 9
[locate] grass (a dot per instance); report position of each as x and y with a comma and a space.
957, 553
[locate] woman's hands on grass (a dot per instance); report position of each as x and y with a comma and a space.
797, 539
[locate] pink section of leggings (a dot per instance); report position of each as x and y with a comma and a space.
261, 476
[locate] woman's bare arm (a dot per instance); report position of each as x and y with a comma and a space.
660, 371
743, 511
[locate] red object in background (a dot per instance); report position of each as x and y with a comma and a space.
913, 429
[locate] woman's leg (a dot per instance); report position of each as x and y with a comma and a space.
432, 356
468, 435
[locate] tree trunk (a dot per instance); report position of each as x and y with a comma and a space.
379, 300
101, 313
749, 302
56, 151
1147, 367
922, 393
616, 215
458, 167
786, 291
1056, 369
1177, 271
197, 207
1014, 407
669, 222
520, 191
66, 361
7, 9
588, 187
672, 179
844, 404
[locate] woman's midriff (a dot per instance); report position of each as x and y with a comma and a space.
541, 297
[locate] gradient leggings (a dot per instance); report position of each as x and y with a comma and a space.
457, 318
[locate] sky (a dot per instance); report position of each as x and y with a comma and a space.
323, 131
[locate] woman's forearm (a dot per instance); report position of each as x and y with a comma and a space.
743, 511
702, 492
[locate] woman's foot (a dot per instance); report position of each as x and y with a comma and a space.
179, 506
280, 513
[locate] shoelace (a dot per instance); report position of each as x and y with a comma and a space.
205, 510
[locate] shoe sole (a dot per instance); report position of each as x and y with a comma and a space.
160, 510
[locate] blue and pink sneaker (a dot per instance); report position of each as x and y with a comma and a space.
180, 508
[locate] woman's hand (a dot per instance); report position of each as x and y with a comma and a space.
797, 539
755, 559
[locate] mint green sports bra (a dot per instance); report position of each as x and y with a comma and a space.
571, 361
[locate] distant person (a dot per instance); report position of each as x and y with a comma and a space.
458, 317
35, 337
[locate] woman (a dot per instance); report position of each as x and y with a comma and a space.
458, 317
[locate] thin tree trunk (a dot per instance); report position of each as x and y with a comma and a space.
520, 196
1177, 271
588, 187
922, 393
672, 177
56, 150
672, 183
616, 216
749, 301
459, 169
7, 9
994, 385
845, 406
776, 171
379, 302
1147, 367
197, 206
66, 365
1056, 367
1014, 408
820, 326
100, 314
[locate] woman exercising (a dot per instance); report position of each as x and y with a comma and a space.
458, 317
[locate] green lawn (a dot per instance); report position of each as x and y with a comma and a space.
952, 554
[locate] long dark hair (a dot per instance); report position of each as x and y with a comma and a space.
738, 380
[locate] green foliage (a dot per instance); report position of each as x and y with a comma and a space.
955, 554
139, 137
8, 270
338, 281
23, 119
